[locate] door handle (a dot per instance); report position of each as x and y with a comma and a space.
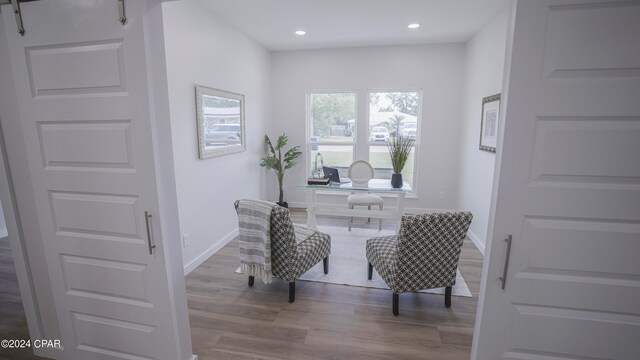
503, 278
147, 219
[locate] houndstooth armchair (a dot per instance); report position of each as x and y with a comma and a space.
424, 255
294, 249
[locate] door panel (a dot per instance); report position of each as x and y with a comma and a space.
93, 144
586, 149
114, 338
70, 69
122, 281
81, 83
569, 188
578, 44
566, 334
97, 215
552, 242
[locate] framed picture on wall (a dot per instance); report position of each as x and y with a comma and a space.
489, 123
220, 122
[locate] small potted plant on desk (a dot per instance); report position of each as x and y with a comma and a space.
399, 150
275, 160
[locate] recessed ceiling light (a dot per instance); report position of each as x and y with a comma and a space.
413, 26
300, 32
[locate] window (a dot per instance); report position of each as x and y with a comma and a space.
332, 129
391, 114
335, 124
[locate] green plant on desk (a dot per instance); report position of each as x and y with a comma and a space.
399, 151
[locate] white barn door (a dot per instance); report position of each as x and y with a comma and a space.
569, 188
83, 98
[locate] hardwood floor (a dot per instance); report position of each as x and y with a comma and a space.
232, 321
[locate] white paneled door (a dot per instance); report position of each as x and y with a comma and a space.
83, 98
569, 188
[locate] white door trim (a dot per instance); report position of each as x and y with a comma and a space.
496, 177
9, 113
165, 172
18, 252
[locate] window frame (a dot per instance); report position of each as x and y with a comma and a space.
416, 145
309, 127
361, 149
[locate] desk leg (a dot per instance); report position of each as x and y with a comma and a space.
311, 208
400, 210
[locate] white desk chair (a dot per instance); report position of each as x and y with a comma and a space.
360, 172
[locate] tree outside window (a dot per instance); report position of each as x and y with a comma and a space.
397, 112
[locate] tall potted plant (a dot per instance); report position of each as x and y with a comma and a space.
399, 150
275, 160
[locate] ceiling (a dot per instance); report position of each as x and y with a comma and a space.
348, 23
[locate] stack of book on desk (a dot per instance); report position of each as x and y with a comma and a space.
312, 181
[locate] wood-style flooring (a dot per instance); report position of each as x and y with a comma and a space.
232, 321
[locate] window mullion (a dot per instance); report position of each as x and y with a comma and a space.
362, 127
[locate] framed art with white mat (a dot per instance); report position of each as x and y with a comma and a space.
489, 123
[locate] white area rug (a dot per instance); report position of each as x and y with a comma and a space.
348, 262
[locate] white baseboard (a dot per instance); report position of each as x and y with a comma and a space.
210, 251
3, 233
476, 241
194, 357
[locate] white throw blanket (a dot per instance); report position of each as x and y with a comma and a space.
254, 217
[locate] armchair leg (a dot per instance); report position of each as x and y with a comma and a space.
447, 296
325, 264
396, 300
370, 272
292, 291
251, 279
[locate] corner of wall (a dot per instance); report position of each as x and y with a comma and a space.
476, 241
483, 73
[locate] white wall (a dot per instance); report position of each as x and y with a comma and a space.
483, 69
203, 49
436, 69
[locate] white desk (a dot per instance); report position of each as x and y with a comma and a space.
374, 186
